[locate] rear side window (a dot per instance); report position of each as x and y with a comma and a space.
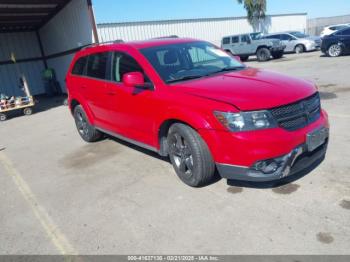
235, 39
286, 37
272, 37
79, 66
345, 32
226, 41
97, 65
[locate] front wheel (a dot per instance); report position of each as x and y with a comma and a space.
3, 117
263, 54
334, 50
190, 156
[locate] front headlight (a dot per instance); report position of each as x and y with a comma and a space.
245, 121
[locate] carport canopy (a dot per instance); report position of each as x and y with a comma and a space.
27, 15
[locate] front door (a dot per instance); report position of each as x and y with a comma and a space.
131, 109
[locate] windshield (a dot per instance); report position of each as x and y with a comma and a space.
256, 36
185, 61
299, 34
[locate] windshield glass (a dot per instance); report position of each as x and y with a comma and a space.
256, 36
185, 61
299, 34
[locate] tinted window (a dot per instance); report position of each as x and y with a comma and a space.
235, 39
272, 37
79, 66
345, 32
122, 64
97, 65
245, 38
285, 37
226, 41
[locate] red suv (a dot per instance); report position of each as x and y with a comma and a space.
191, 101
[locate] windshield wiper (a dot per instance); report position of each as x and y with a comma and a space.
185, 78
225, 69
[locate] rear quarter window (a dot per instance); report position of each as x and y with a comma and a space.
79, 66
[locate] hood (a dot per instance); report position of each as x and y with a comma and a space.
250, 89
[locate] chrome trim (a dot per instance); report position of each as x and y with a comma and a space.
129, 140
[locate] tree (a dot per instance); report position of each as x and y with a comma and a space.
255, 10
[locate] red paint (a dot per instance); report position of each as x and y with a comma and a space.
138, 113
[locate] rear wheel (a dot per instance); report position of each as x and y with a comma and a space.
87, 132
190, 156
299, 49
334, 50
263, 54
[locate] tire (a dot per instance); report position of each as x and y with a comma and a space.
190, 156
87, 132
277, 55
3, 117
263, 54
298, 49
334, 50
244, 58
27, 111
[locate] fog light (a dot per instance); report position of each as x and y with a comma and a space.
266, 166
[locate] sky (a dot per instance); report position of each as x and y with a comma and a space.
109, 11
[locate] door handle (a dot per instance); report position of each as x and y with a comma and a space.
82, 87
111, 93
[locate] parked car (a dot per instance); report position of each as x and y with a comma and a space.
296, 41
191, 101
337, 43
328, 30
245, 45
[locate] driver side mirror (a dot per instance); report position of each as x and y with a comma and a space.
136, 79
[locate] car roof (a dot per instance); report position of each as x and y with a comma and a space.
140, 44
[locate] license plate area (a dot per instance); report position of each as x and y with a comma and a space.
316, 138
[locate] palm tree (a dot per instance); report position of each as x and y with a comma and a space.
255, 10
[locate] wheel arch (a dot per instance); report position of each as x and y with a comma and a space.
75, 102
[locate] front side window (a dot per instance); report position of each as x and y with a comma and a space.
124, 63
79, 66
179, 62
97, 65
245, 38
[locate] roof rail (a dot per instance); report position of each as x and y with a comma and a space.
165, 37
103, 43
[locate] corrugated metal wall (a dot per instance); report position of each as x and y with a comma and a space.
211, 29
22, 45
69, 29
316, 25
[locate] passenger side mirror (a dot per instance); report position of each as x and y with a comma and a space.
135, 79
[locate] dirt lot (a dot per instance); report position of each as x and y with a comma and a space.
61, 195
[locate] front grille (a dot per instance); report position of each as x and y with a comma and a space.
298, 115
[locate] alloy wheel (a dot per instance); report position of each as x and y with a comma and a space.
181, 153
334, 50
82, 124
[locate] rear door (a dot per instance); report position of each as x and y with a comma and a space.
95, 88
235, 45
245, 46
344, 37
289, 41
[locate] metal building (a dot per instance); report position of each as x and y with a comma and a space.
39, 34
210, 29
